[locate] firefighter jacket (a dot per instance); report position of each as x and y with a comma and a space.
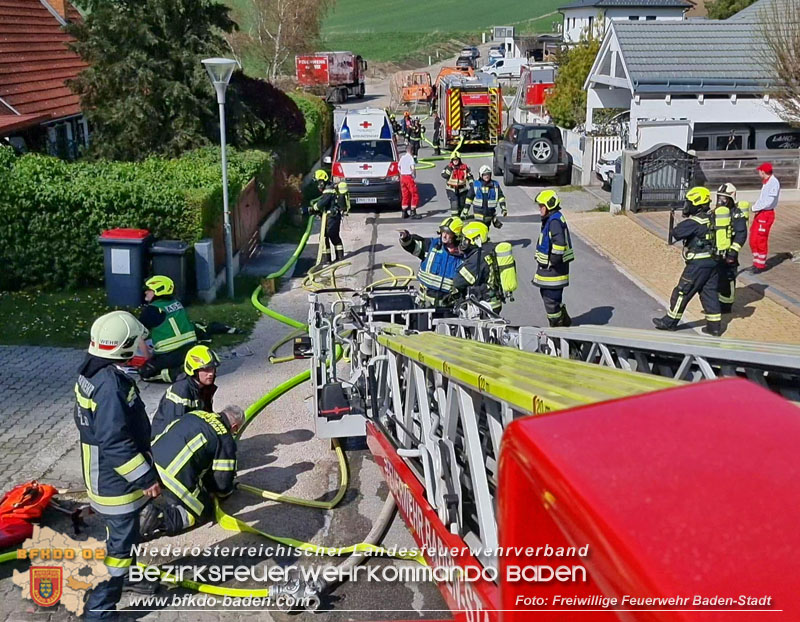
698, 239
169, 324
437, 270
479, 276
738, 229
437, 129
415, 134
196, 453
182, 397
554, 252
485, 199
333, 203
457, 177
115, 438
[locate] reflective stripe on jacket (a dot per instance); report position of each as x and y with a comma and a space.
115, 441
554, 252
485, 199
181, 397
437, 269
175, 331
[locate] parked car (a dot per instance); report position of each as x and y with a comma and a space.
607, 166
496, 51
533, 151
506, 67
471, 51
465, 62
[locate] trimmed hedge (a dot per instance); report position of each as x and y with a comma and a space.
52, 211
319, 126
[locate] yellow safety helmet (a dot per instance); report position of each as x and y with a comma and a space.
698, 196
199, 357
342, 187
453, 225
455, 156
321, 175
476, 232
160, 284
549, 199
116, 335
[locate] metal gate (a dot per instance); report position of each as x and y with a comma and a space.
661, 176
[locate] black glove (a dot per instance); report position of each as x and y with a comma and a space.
497, 223
731, 257
404, 235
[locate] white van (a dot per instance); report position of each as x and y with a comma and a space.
365, 156
506, 67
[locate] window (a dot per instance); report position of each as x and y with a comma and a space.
633, 18
650, 18
365, 151
529, 134
728, 143
700, 143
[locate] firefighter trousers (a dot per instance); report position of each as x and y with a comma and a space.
161, 365
727, 285
554, 306
458, 203
696, 279
333, 237
122, 532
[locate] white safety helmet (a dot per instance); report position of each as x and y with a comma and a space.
483, 170
727, 190
116, 335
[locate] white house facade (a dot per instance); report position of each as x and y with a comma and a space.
592, 17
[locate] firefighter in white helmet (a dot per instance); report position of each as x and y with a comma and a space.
485, 196
736, 236
118, 469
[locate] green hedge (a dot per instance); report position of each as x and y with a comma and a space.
319, 126
52, 211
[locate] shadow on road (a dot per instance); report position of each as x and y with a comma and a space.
599, 316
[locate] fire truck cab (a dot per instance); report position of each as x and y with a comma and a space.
471, 108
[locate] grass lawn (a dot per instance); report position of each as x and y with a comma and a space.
64, 318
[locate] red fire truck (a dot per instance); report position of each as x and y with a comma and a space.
340, 74
471, 108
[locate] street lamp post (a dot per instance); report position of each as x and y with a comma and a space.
220, 71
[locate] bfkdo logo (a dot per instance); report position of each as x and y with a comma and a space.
46, 585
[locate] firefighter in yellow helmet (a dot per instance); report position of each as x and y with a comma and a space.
193, 390
554, 253
701, 274
118, 469
479, 275
335, 202
441, 258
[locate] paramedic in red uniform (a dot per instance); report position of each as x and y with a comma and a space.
409, 195
763, 214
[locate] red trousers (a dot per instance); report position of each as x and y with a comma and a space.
759, 236
409, 195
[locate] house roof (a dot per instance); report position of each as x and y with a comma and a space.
35, 62
754, 11
694, 56
14, 122
605, 4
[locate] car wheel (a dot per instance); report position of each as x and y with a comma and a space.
541, 151
496, 170
508, 177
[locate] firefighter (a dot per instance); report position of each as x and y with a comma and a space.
415, 133
554, 253
335, 202
484, 197
736, 235
479, 275
115, 447
437, 133
458, 178
441, 258
196, 458
193, 390
701, 274
405, 125
172, 332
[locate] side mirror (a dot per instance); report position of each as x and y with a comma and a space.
327, 160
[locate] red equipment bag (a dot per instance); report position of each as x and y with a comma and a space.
20, 505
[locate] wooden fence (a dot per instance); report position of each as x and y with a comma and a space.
714, 168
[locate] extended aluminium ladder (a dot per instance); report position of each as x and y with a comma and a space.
674, 355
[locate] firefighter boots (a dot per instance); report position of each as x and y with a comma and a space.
713, 328
665, 323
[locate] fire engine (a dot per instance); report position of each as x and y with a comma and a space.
471, 109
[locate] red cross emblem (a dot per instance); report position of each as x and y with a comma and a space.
365, 167
365, 124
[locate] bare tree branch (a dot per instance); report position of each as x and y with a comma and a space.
780, 28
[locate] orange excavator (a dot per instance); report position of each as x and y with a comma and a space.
417, 88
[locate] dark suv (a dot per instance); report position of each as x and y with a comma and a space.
534, 151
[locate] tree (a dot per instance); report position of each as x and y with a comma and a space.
145, 91
723, 9
780, 29
278, 30
567, 103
